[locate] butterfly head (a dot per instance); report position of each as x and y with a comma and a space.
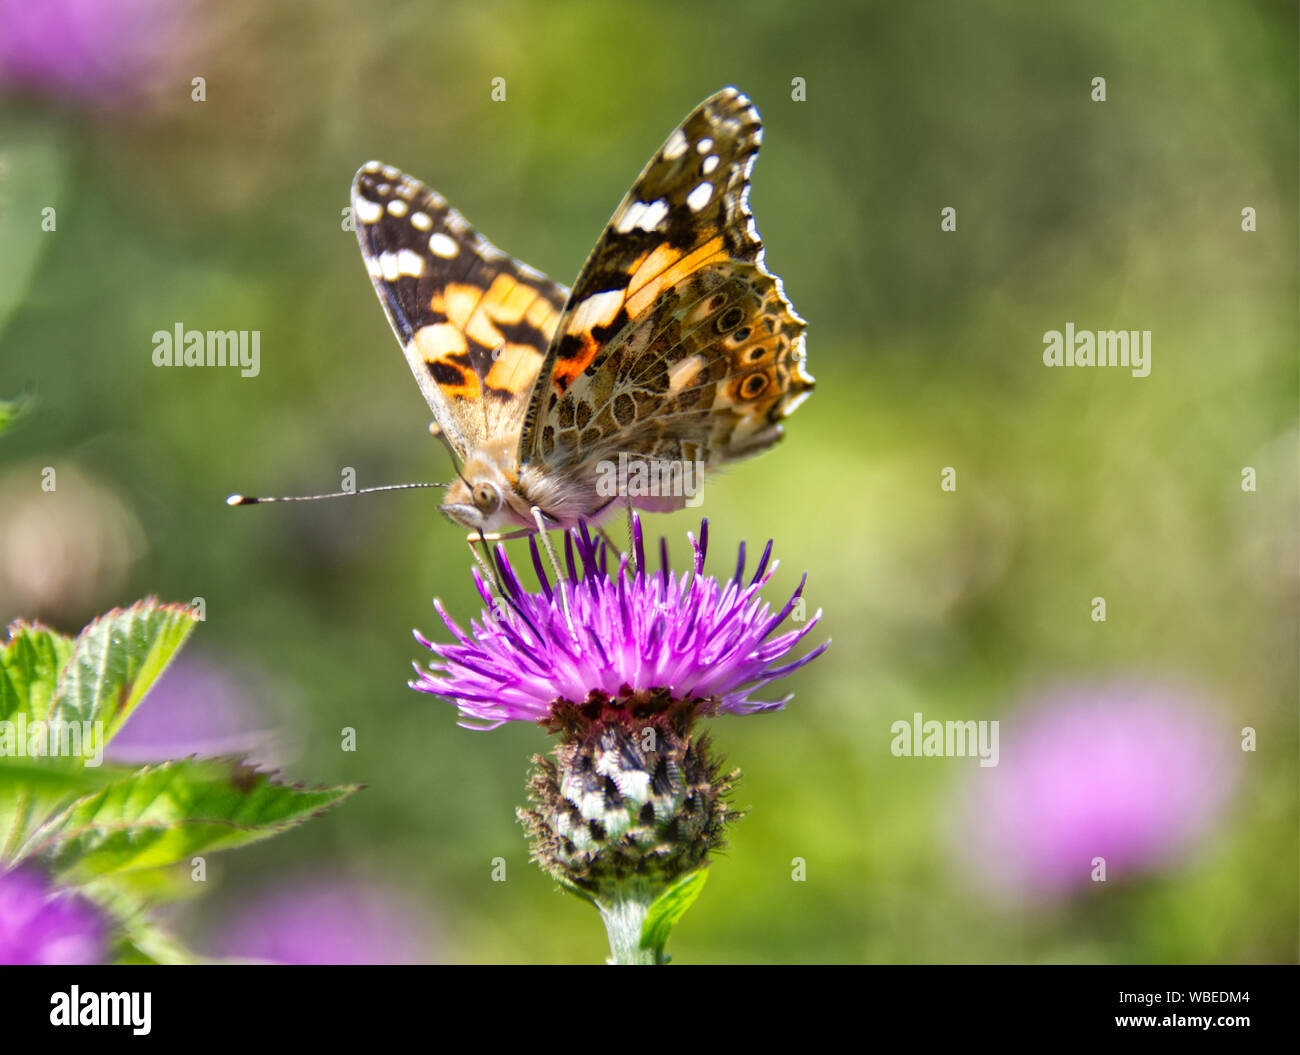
484, 498
476, 504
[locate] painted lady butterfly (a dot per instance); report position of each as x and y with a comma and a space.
676, 344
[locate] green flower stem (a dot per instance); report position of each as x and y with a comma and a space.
624, 918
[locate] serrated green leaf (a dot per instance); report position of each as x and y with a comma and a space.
669, 907
30, 665
116, 659
31, 789
48, 678
169, 812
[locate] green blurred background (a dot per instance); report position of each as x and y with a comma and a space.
226, 214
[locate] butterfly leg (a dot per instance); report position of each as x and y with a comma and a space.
486, 566
497, 536
613, 546
631, 538
482, 560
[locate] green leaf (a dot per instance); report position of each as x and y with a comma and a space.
48, 678
169, 812
116, 659
669, 907
31, 790
30, 665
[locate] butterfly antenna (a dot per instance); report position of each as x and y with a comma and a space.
249, 500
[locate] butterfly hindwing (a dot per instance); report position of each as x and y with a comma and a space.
473, 322
676, 342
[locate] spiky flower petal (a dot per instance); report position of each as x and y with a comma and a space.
612, 633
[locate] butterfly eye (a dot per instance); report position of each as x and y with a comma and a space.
486, 498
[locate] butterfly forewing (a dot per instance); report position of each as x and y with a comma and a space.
676, 342
474, 323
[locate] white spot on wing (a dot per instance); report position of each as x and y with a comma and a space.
704, 145
397, 207
441, 245
403, 263
710, 163
410, 263
676, 145
642, 216
368, 211
597, 310
421, 221
699, 197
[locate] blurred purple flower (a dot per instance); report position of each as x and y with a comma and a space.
329, 921
198, 708
91, 49
41, 924
1130, 772
694, 636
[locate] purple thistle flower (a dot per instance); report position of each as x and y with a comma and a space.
41, 924
608, 634
1133, 773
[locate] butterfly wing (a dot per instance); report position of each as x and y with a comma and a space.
473, 322
676, 343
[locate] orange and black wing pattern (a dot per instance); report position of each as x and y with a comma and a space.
474, 323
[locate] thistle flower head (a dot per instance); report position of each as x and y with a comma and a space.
620, 664
608, 633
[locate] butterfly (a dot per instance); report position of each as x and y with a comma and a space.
675, 347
